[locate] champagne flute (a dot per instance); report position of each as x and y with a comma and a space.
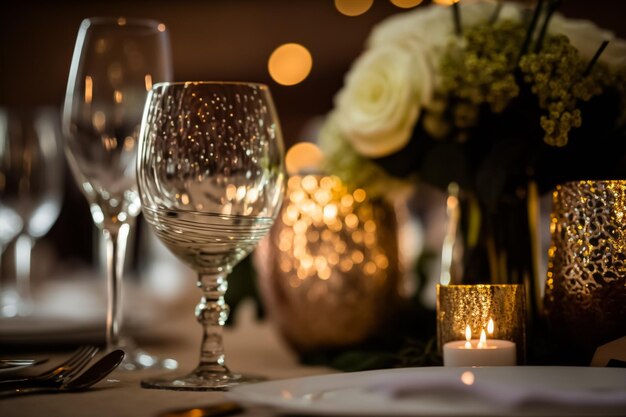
211, 178
115, 62
32, 174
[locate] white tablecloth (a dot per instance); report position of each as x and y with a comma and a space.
251, 347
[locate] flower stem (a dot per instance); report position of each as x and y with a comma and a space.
552, 7
595, 58
456, 13
529, 32
496, 13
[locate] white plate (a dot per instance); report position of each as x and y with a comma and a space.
355, 393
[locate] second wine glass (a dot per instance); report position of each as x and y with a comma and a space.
211, 180
32, 173
114, 65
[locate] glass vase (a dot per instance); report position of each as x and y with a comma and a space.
494, 241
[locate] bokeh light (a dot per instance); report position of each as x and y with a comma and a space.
303, 157
290, 64
406, 4
353, 7
324, 230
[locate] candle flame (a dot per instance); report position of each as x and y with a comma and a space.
490, 327
482, 343
468, 337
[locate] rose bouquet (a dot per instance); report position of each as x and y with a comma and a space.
499, 89
502, 100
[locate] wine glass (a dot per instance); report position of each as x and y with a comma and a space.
10, 220
115, 62
32, 172
211, 178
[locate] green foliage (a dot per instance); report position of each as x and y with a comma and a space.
410, 353
557, 77
242, 286
353, 168
478, 70
482, 70
408, 340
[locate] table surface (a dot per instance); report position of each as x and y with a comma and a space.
251, 346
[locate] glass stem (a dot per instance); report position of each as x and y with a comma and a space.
23, 248
212, 312
115, 240
8, 307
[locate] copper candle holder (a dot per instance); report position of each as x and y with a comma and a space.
329, 269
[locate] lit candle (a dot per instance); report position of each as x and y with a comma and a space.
481, 352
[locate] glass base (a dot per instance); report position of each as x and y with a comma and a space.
137, 359
200, 381
14, 305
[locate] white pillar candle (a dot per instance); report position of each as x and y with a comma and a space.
482, 352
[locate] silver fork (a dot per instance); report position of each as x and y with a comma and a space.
57, 375
94, 373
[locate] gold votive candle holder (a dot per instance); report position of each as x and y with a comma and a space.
460, 306
329, 270
585, 299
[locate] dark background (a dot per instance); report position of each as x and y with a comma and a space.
211, 40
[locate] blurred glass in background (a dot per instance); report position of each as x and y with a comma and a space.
31, 186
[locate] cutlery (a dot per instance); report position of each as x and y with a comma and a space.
57, 375
7, 364
4, 363
12, 366
92, 375
10, 363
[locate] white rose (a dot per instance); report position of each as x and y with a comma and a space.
344, 161
412, 25
381, 100
587, 38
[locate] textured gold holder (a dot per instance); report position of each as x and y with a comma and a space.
461, 305
586, 286
328, 271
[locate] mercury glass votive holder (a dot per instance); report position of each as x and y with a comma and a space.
585, 298
328, 272
459, 306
